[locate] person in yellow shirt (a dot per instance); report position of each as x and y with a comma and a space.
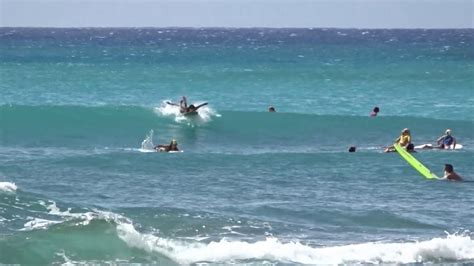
404, 140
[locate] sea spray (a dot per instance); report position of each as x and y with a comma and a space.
450, 248
147, 143
7, 187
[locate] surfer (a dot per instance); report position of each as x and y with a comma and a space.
173, 146
445, 141
184, 108
193, 108
183, 105
375, 111
404, 140
449, 173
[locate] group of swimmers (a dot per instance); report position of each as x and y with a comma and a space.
446, 141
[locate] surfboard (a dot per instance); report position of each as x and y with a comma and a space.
430, 146
423, 170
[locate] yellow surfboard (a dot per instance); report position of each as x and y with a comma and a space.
423, 170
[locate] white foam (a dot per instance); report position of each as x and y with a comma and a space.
451, 248
83, 218
7, 187
147, 143
205, 114
38, 223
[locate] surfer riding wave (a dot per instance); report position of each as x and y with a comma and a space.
184, 108
194, 114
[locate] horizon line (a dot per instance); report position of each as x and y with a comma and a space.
223, 27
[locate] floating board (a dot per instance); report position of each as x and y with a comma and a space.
423, 170
430, 146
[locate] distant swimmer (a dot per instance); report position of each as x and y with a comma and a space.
445, 141
404, 140
449, 173
184, 108
173, 146
375, 111
352, 149
271, 109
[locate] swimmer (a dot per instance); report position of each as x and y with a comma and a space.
375, 111
403, 140
445, 141
449, 173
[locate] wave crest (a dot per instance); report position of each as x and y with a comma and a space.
8, 187
451, 248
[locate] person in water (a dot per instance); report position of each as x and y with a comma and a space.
271, 109
173, 146
449, 173
404, 140
193, 108
445, 141
352, 149
183, 106
375, 111
410, 148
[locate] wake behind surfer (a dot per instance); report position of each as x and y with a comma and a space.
173, 146
404, 140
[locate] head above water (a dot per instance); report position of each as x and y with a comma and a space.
271, 109
174, 142
448, 168
352, 149
376, 109
448, 131
406, 131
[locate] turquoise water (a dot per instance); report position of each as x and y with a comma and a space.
76, 185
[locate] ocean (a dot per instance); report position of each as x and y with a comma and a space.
81, 108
